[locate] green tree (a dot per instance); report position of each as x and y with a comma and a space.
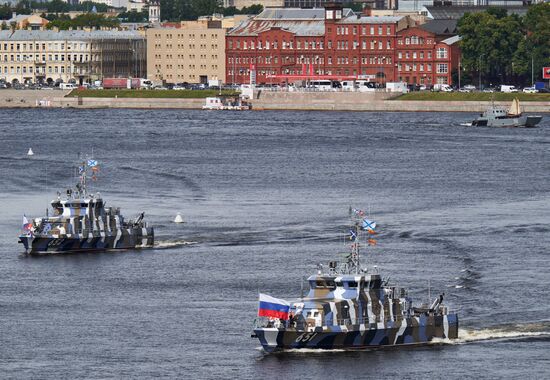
488, 43
533, 52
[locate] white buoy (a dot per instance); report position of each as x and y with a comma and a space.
30, 152
178, 219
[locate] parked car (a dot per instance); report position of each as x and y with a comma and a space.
488, 89
178, 87
544, 90
530, 90
470, 87
159, 88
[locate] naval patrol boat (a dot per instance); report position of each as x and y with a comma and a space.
503, 117
81, 222
351, 307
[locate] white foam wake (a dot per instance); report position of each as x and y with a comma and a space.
498, 333
172, 244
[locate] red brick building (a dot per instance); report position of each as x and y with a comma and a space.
424, 58
331, 42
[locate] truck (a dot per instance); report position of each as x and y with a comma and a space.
126, 83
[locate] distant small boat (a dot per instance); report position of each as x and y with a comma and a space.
502, 117
178, 219
227, 104
30, 152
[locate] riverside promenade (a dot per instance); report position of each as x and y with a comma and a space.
263, 100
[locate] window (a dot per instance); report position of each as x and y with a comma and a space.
442, 68
441, 53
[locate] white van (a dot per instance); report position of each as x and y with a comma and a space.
321, 85
442, 87
365, 86
508, 88
67, 86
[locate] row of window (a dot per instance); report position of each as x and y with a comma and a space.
414, 40
42, 70
414, 67
42, 46
42, 58
180, 36
182, 46
344, 30
374, 44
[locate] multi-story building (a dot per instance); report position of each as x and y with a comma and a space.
192, 51
37, 56
284, 44
425, 58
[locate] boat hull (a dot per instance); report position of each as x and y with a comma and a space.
518, 122
127, 239
410, 331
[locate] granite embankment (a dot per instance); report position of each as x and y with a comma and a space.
264, 100
353, 101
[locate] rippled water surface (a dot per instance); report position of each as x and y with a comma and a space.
265, 196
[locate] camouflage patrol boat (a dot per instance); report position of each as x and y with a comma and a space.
349, 307
81, 222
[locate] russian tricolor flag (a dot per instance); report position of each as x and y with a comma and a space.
273, 307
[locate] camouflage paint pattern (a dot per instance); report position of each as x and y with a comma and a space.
353, 312
85, 225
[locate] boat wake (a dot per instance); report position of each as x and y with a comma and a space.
172, 244
502, 333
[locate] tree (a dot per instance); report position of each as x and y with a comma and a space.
534, 50
488, 42
134, 16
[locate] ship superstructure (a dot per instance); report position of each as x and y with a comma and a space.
349, 307
80, 221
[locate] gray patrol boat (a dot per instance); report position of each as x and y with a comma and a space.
503, 117
350, 307
81, 222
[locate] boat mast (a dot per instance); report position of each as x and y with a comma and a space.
354, 263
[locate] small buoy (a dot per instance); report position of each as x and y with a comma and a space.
30, 152
178, 219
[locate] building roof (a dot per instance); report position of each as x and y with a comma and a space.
296, 14
441, 27
302, 22
50, 35
455, 12
360, 19
451, 40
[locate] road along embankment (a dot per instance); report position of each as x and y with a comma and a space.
264, 100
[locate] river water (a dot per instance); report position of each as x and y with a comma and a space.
265, 196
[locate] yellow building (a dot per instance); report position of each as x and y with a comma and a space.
35, 56
190, 51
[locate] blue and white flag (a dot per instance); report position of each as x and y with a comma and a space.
92, 163
80, 170
368, 225
352, 235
